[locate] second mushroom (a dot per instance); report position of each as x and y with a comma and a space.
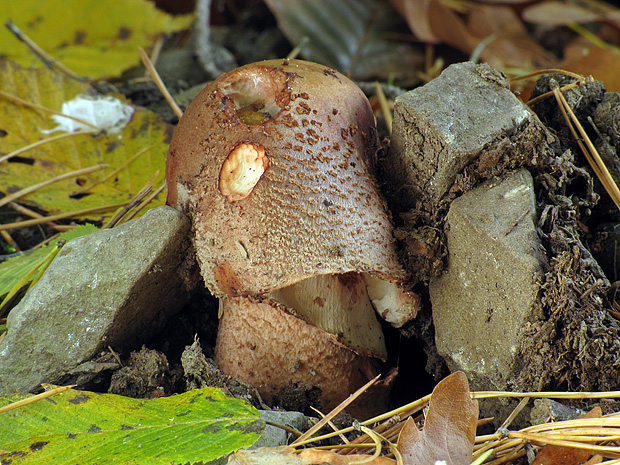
273, 162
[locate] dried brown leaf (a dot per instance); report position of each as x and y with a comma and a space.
560, 455
600, 63
449, 430
288, 456
554, 13
311, 456
357, 37
431, 21
512, 45
417, 15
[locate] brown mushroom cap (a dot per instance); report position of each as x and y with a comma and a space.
297, 143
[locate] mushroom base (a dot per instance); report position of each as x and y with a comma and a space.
269, 348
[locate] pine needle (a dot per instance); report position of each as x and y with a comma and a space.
45, 57
38, 397
59, 216
588, 149
62, 177
34, 106
160, 84
45, 141
385, 107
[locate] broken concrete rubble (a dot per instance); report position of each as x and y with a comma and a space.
489, 291
114, 287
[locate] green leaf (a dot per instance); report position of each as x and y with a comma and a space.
13, 269
352, 36
146, 136
79, 427
91, 38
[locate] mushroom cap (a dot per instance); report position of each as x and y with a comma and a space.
274, 162
268, 348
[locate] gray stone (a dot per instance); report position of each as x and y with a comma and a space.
272, 439
439, 128
275, 436
114, 287
546, 410
489, 292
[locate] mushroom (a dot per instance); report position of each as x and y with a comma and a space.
273, 162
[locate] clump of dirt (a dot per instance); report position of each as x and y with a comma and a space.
298, 397
201, 372
145, 375
575, 347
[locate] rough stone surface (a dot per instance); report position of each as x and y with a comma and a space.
439, 128
114, 288
545, 410
274, 436
489, 292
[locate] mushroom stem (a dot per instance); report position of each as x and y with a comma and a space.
269, 348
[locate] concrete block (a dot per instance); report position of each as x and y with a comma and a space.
489, 291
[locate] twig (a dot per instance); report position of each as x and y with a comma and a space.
343, 438
406, 410
123, 211
522, 403
142, 193
287, 428
32, 214
10, 241
540, 72
144, 203
340, 407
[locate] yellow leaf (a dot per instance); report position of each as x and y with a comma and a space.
146, 136
92, 38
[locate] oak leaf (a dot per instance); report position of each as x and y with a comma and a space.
449, 429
